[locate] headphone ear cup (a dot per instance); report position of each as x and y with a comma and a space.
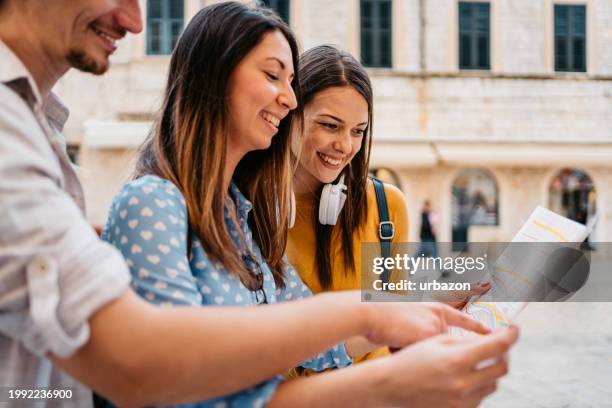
324, 203
336, 202
331, 202
341, 201
292, 210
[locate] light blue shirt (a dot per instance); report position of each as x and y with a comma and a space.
148, 223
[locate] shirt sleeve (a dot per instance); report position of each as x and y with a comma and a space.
295, 289
148, 224
54, 271
255, 397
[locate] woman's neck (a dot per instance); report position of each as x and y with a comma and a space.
232, 158
304, 182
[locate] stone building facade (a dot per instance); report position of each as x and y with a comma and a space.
506, 139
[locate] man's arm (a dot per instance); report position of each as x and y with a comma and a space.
201, 353
147, 355
69, 291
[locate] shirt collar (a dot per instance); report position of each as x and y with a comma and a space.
243, 206
56, 112
12, 69
15, 75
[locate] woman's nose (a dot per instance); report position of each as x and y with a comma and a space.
343, 143
287, 98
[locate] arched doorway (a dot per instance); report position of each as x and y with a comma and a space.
386, 175
475, 201
572, 194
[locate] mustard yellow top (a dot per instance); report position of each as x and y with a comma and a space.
301, 246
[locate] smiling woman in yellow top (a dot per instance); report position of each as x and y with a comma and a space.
334, 147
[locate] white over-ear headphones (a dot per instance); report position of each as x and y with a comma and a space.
331, 202
292, 209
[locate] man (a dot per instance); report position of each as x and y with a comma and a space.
66, 311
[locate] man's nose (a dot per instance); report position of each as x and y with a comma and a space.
129, 16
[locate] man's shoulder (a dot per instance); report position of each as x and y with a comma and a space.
21, 135
11, 101
18, 121
16, 115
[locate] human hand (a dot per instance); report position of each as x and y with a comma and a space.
445, 371
398, 324
459, 298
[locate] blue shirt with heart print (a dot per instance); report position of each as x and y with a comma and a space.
148, 223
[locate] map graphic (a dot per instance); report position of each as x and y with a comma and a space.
516, 274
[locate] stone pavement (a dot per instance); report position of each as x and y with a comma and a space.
562, 360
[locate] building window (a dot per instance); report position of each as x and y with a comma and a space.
386, 175
572, 194
164, 25
281, 7
474, 35
376, 33
570, 38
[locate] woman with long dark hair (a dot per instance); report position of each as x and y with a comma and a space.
334, 149
205, 220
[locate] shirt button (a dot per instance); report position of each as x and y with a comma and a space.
41, 267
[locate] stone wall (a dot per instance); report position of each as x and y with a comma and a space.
520, 190
521, 101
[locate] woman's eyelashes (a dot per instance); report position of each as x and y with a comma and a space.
271, 77
274, 78
332, 126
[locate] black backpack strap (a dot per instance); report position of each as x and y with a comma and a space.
386, 228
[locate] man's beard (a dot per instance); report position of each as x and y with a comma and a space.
80, 60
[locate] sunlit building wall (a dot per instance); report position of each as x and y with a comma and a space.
485, 108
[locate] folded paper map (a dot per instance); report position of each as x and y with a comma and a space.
512, 281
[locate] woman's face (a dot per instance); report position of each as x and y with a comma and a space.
260, 94
335, 123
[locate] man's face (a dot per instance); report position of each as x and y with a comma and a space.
85, 32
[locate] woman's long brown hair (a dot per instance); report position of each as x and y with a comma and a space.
188, 143
321, 68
